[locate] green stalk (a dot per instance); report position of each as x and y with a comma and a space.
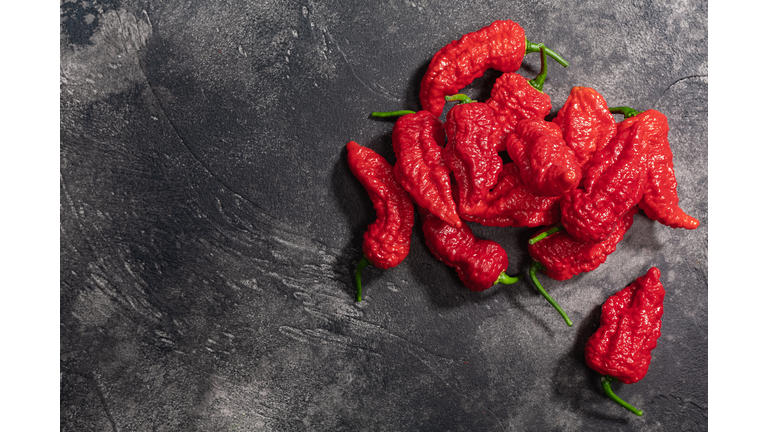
627, 112
605, 380
358, 277
391, 113
545, 234
536, 266
538, 82
461, 97
532, 47
506, 279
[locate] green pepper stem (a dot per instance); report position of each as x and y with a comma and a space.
391, 113
536, 266
358, 277
461, 97
506, 279
605, 380
538, 82
545, 234
627, 112
533, 47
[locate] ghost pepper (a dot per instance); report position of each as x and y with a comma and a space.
547, 165
387, 240
587, 123
630, 326
501, 46
660, 200
418, 141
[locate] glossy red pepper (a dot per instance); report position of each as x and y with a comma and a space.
587, 123
561, 257
630, 326
613, 184
512, 204
660, 200
479, 263
514, 98
418, 141
501, 46
388, 239
547, 165
470, 152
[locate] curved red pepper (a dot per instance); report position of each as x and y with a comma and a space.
479, 263
630, 326
418, 141
388, 239
660, 200
587, 123
613, 184
547, 165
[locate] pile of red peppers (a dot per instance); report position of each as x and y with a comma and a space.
580, 178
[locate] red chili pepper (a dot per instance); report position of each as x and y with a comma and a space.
479, 263
470, 152
660, 200
514, 98
630, 326
561, 257
501, 46
418, 141
587, 123
512, 204
547, 165
613, 184
388, 239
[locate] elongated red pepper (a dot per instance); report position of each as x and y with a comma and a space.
479, 263
613, 184
547, 165
470, 152
388, 239
562, 257
512, 204
630, 326
587, 123
514, 98
501, 46
660, 200
418, 141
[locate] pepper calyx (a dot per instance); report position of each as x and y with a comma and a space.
385, 114
533, 269
605, 381
460, 97
506, 279
358, 277
627, 112
545, 234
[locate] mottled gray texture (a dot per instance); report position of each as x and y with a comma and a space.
210, 225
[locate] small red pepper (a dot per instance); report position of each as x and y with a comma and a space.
547, 165
470, 152
479, 263
587, 123
630, 326
613, 184
388, 239
501, 46
660, 200
418, 141
512, 204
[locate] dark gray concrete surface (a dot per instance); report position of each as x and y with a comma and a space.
210, 225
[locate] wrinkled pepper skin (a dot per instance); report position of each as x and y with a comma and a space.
547, 165
660, 200
479, 263
418, 141
630, 326
587, 124
513, 99
500, 46
470, 153
388, 239
512, 204
563, 257
613, 184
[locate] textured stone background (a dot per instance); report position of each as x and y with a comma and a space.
210, 225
